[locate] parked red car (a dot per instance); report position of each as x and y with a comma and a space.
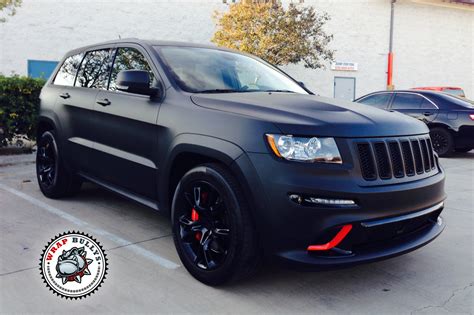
446, 89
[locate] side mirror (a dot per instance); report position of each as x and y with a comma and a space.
135, 81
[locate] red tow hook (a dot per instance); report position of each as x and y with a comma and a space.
335, 241
195, 217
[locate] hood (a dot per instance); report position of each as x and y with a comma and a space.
300, 114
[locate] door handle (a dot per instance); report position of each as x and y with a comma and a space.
64, 95
427, 113
104, 102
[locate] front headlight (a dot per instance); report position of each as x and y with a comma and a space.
305, 149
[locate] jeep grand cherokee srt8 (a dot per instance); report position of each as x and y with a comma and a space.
246, 161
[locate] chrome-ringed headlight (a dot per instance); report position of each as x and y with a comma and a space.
305, 149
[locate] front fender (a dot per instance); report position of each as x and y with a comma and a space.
214, 148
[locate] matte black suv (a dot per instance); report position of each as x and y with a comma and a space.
246, 161
449, 117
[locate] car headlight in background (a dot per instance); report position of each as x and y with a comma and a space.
305, 149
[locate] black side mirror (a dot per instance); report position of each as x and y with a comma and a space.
135, 81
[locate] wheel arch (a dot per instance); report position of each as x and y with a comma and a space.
188, 151
441, 125
44, 124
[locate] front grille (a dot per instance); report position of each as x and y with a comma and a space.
383, 164
424, 152
430, 151
388, 158
396, 157
367, 164
417, 155
408, 158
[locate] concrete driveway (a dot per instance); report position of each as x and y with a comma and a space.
146, 276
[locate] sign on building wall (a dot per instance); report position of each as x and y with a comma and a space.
344, 66
41, 68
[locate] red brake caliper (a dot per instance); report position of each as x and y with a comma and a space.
195, 217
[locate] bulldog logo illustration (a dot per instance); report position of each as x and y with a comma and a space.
73, 265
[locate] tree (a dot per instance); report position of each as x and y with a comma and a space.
9, 6
276, 34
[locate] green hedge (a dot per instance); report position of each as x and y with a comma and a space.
19, 106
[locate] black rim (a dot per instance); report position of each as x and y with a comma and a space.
46, 163
203, 226
440, 142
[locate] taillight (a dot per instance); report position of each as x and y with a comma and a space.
471, 116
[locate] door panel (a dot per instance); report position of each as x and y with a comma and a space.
76, 114
74, 108
415, 106
126, 142
429, 111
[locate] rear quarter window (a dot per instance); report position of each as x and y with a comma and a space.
67, 73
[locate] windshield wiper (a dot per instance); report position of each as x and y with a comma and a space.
221, 91
281, 91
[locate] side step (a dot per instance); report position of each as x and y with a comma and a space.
127, 194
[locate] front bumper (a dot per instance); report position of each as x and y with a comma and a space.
371, 251
286, 229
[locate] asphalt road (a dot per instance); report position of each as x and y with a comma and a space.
146, 276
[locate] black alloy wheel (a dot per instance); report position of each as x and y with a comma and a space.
204, 227
443, 142
46, 161
213, 231
54, 179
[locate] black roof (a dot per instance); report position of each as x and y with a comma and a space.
145, 42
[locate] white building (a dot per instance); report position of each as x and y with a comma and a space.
433, 39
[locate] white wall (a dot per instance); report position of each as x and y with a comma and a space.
433, 45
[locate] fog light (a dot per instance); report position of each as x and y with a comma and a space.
296, 198
324, 201
306, 200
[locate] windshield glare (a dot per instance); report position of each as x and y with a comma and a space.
205, 70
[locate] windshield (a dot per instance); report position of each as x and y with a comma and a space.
205, 70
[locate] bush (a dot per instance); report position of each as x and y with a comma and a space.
19, 106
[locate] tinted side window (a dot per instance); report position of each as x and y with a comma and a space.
129, 59
67, 73
407, 101
377, 100
95, 69
427, 105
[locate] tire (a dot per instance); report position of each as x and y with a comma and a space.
443, 141
54, 179
226, 249
463, 150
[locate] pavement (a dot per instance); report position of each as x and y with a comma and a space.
146, 276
